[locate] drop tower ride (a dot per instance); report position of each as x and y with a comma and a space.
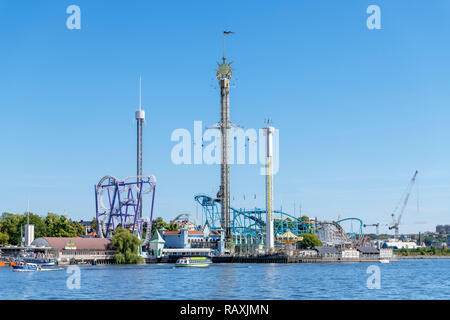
224, 71
140, 118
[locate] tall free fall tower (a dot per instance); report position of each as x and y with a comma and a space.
224, 75
140, 118
270, 241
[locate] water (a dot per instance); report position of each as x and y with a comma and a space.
405, 279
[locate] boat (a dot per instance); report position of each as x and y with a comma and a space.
40, 261
25, 266
384, 260
193, 262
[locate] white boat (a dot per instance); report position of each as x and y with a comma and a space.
40, 261
193, 262
384, 260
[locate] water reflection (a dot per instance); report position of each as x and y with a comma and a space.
400, 280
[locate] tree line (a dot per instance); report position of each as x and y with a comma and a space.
159, 223
53, 225
423, 252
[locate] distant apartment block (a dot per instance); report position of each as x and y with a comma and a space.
443, 228
440, 245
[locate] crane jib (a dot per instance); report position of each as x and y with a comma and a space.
396, 222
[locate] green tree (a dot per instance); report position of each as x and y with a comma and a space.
309, 240
172, 227
94, 224
383, 236
3, 236
372, 236
52, 226
158, 224
59, 226
51, 221
79, 228
127, 245
433, 250
428, 240
3, 239
40, 229
11, 224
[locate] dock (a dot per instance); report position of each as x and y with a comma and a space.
269, 259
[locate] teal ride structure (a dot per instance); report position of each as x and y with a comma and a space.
353, 227
248, 226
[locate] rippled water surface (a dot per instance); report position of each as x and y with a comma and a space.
406, 279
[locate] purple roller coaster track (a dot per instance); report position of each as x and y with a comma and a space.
124, 200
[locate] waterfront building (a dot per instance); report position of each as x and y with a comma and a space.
182, 252
12, 252
326, 252
194, 239
386, 254
88, 230
368, 253
397, 244
181, 238
307, 253
29, 234
350, 254
185, 224
157, 245
247, 245
438, 244
65, 250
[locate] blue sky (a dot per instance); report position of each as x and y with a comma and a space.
358, 110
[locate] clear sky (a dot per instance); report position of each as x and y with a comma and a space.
358, 110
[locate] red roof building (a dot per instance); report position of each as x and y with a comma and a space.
62, 243
78, 249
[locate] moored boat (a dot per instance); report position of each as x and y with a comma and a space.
193, 262
24, 266
45, 262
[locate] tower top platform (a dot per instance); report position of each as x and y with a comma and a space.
140, 114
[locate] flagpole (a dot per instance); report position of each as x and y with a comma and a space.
223, 45
224, 33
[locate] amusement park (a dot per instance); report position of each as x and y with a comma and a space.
223, 155
219, 230
225, 229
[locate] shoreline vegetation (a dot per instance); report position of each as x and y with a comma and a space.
52, 225
422, 253
127, 245
422, 257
